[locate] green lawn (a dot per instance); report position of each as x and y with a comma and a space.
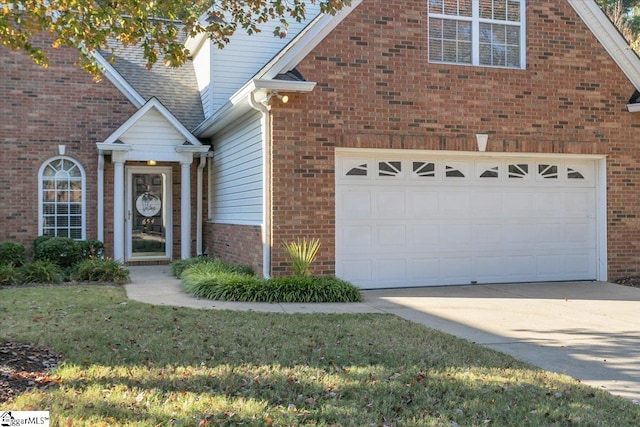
131, 364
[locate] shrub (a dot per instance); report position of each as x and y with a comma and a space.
37, 242
311, 289
9, 275
62, 251
220, 281
91, 249
101, 270
178, 266
221, 286
40, 272
300, 255
12, 253
215, 265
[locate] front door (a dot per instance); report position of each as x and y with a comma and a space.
148, 213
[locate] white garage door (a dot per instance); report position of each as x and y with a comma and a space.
414, 219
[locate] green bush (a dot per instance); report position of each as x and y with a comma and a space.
301, 254
215, 265
178, 266
62, 251
12, 253
101, 270
40, 272
311, 289
9, 275
37, 242
221, 281
91, 249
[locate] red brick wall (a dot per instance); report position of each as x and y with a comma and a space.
39, 110
42, 108
240, 244
376, 89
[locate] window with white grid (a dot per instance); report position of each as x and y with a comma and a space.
477, 32
62, 199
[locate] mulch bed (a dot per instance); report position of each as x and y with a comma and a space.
629, 281
25, 367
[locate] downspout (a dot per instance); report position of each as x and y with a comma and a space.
201, 166
265, 123
100, 198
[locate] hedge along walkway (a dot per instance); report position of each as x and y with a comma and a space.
155, 285
587, 330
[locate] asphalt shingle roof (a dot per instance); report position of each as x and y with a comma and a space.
175, 87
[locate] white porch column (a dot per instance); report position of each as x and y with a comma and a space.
118, 209
185, 206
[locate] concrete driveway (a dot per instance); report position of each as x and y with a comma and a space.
587, 330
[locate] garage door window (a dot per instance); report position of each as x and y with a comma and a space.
389, 168
424, 169
548, 171
518, 171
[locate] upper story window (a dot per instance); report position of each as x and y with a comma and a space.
477, 32
62, 199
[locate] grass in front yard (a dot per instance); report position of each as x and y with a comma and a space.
131, 364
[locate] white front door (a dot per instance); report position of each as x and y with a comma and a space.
148, 213
420, 219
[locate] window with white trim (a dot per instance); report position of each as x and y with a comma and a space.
477, 32
62, 198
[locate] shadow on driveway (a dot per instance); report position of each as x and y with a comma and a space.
588, 330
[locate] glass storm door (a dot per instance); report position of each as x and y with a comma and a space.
148, 213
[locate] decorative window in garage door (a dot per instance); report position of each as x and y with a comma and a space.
574, 174
424, 169
455, 170
490, 172
548, 171
359, 170
389, 168
520, 170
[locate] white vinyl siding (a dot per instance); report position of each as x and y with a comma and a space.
245, 55
236, 173
153, 131
201, 62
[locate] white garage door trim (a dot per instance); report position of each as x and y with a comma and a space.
470, 177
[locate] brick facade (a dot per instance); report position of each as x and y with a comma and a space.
61, 105
241, 244
376, 89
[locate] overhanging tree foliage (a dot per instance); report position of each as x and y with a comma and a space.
155, 25
625, 14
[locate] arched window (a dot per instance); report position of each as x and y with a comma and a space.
61, 183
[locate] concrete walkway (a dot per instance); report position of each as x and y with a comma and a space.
588, 330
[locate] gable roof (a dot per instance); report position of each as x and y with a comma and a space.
610, 38
175, 87
153, 103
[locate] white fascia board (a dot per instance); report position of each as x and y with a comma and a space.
305, 42
152, 103
633, 108
118, 81
610, 38
238, 103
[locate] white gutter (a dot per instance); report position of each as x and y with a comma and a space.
100, 196
238, 104
265, 123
